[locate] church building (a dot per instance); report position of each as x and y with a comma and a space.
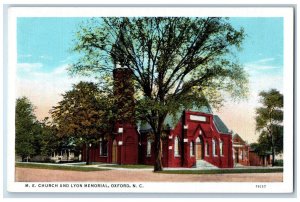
197, 138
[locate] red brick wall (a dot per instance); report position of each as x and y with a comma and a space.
254, 159
127, 153
124, 95
208, 132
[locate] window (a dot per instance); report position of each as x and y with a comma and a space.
149, 147
243, 153
206, 149
176, 146
214, 148
192, 148
221, 148
103, 147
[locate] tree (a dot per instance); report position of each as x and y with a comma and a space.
26, 128
48, 140
82, 114
269, 119
176, 62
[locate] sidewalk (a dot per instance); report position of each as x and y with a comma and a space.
112, 166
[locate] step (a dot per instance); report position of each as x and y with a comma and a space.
204, 164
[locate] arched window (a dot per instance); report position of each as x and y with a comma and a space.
192, 148
176, 146
149, 147
214, 147
103, 147
221, 148
206, 148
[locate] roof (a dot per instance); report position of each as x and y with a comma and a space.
172, 120
169, 121
236, 136
220, 125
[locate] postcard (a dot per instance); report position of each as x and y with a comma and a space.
141, 99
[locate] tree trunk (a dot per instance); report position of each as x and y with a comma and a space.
272, 149
273, 156
158, 144
87, 154
158, 153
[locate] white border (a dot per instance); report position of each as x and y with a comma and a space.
287, 13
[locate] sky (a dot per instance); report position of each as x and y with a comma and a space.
44, 52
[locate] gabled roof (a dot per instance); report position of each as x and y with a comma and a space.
220, 125
172, 120
236, 136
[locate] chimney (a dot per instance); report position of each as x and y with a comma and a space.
124, 94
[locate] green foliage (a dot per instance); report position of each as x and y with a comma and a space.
269, 119
177, 62
278, 163
83, 114
26, 128
48, 140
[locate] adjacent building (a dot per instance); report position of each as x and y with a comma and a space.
240, 151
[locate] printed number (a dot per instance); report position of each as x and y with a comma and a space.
261, 186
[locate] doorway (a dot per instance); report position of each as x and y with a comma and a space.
236, 155
199, 148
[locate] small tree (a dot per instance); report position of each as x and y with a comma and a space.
82, 114
176, 62
48, 140
26, 129
269, 119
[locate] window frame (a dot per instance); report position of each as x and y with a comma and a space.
221, 145
214, 148
206, 147
192, 148
176, 147
149, 148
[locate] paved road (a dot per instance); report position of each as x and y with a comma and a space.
136, 175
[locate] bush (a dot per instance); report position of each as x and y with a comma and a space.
278, 163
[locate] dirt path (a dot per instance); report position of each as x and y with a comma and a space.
44, 175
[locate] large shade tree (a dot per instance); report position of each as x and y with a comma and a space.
269, 119
82, 115
177, 62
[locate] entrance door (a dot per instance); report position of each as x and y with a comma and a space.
114, 152
199, 149
236, 156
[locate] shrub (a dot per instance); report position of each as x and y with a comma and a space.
278, 163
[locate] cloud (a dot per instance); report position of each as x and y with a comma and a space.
240, 116
44, 89
68, 59
265, 60
25, 56
255, 68
29, 67
261, 66
46, 57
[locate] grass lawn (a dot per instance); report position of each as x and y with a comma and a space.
138, 166
59, 167
224, 171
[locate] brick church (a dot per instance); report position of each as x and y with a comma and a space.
197, 138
